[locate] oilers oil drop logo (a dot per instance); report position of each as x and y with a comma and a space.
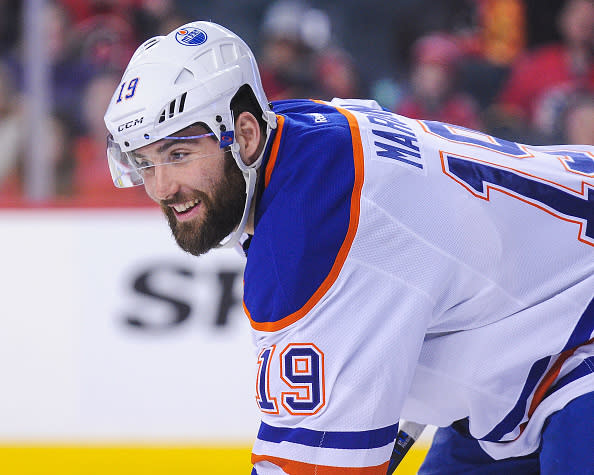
190, 36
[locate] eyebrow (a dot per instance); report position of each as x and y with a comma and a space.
166, 145
173, 140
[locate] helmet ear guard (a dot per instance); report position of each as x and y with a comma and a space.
250, 175
190, 75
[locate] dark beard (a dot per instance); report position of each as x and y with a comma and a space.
223, 213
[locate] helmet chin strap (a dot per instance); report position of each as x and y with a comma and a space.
250, 175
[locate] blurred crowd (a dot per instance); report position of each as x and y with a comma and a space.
522, 70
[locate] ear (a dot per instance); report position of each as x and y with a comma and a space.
247, 135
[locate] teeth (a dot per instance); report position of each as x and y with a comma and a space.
180, 208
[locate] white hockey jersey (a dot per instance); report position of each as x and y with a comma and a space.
418, 270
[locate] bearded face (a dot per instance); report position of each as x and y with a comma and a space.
199, 187
222, 209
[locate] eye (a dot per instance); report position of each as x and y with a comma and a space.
142, 163
178, 156
143, 166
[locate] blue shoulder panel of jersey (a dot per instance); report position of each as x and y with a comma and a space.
305, 214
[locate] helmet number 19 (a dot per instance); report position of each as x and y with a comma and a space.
130, 90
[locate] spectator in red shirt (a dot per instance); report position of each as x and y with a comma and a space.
337, 75
434, 94
569, 64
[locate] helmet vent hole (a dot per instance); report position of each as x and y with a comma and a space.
150, 43
182, 101
174, 108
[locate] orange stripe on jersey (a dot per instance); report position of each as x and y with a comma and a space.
293, 467
348, 240
551, 376
280, 122
548, 380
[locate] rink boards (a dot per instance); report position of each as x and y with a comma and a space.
121, 351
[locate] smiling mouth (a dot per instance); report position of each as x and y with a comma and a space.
185, 208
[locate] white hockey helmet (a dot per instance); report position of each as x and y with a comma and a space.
174, 81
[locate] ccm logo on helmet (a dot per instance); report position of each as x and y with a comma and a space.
190, 36
130, 124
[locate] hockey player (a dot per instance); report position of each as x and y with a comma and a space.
395, 268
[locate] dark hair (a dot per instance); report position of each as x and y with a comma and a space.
245, 100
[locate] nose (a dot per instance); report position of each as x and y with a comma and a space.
162, 185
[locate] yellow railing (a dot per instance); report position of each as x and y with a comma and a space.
142, 460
